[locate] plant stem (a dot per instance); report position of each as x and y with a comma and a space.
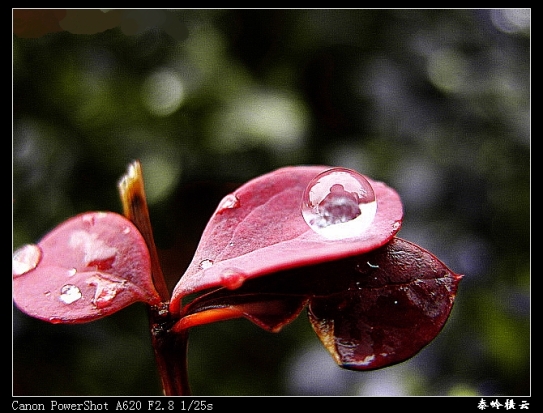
170, 348
170, 354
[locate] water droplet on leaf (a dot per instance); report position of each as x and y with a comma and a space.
25, 259
206, 264
70, 294
232, 278
339, 203
230, 201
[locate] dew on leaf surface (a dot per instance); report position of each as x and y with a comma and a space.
69, 294
339, 203
230, 201
204, 264
232, 278
26, 259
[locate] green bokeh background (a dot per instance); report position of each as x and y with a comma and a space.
434, 102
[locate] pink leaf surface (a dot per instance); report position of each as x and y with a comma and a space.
90, 266
259, 229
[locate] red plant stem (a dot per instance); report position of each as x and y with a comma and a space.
170, 347
173, 374
170, 353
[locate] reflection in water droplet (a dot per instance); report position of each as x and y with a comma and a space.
232, 278
25, 259
339, 203
70, 294
206, 264
97, 252
230, 201
72, 272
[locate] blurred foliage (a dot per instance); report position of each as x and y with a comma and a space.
434, 102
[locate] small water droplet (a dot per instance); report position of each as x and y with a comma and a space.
70, 294
373, 265
25, 259
232, 278
339, 203
206, 264
126, 230
72, 272
230, 201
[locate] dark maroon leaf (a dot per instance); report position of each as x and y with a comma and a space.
89, 266
396, 302
259, 229
370, 310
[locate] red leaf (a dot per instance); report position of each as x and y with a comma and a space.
88, 267
259, 229
396, 301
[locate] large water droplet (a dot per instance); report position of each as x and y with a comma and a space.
70, 294
339, 203
25, 259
